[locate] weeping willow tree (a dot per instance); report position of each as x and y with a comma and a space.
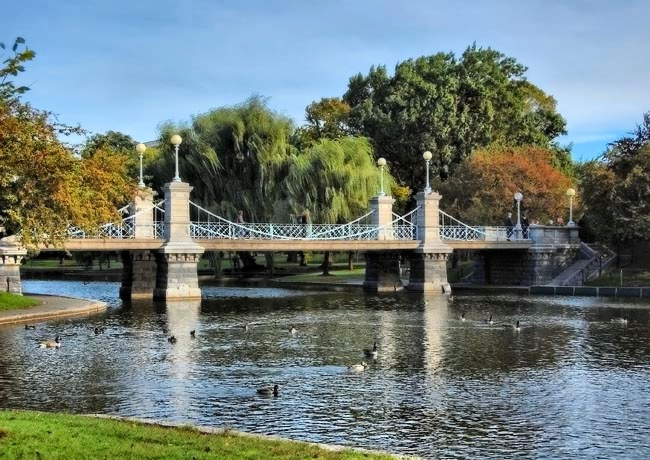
241, 157
334, 180
235, 158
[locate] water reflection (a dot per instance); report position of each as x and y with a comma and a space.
571, 383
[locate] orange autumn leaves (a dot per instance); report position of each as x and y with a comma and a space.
482, 189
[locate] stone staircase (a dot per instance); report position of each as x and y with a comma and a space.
593, 259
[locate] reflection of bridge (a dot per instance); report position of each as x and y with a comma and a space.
161, 243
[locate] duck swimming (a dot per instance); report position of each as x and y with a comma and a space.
358, 367
56, 343
371, 353
269, 391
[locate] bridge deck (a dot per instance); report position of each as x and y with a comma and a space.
109, 244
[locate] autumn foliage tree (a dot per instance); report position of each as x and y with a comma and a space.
44, 187
482, 190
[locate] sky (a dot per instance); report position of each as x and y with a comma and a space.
129, 66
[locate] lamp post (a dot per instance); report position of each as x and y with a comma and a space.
176, 141
427, 158
518, 197
381, 163
570, 193
140, 148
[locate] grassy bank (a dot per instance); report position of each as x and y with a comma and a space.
26, 434
12, 301
335, 276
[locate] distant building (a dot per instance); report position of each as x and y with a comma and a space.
155, 143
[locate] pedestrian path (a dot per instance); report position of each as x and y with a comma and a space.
52, 307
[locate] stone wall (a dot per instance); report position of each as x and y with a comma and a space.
522, 267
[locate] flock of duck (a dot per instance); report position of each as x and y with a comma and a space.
489, 321
368, 353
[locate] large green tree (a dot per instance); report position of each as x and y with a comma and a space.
234, 157
450, 106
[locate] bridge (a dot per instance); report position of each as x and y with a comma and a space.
161, 243
216, 233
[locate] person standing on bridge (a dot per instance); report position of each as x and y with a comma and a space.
240, 220
306, 221
524, 225
509, 226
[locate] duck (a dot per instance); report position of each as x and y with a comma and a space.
371, 353
489, 320
462, 317
622, 320
172, 339
245, 327
29, 327
56, 343
292, 330
269, 391
99, 330
358, 367
193, 333
516, 327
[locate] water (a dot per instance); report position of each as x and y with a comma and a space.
571, 384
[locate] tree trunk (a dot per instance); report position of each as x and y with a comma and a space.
350, 260
326, 263
269, 262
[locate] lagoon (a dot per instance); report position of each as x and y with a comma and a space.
571, 383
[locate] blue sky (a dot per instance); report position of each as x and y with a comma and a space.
130, 65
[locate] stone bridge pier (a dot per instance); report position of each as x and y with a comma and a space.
170, 272
428, 263
11, 256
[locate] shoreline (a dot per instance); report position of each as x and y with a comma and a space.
52, 307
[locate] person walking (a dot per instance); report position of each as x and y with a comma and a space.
524, 225
509, 226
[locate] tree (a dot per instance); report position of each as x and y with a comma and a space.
482, 190
235, 158
451, 107
326, 119
12, 67
44, 187
334, 180
117, 141
616, 189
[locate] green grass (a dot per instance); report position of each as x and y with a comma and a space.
336, 276
34, 435
623, 277
10, 301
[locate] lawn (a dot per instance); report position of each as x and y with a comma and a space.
10, 301
33, 435
336, 276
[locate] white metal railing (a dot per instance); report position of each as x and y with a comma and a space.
207, 225
404, 227
453, 229
212, 226
126, 228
